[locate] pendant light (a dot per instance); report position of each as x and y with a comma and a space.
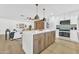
44, 19
36, 17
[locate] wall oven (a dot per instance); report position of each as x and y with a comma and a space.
64, 33
64, 28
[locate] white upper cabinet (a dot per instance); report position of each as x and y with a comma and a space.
74, 19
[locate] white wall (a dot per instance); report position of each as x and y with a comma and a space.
29, 22
57, 23
6, 23
11, 24
52, 22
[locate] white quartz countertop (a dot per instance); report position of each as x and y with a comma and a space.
38, 31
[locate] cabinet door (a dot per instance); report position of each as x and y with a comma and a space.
36, 46
49, 38
46, 39
53, 36
42, 42
36, 42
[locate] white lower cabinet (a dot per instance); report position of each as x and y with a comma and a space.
74, 35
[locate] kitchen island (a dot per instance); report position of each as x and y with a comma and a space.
35, 41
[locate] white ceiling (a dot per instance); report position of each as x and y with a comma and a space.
13, 11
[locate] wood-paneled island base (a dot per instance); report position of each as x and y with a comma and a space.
34, 42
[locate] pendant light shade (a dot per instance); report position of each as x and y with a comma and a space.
36, 16
44, 19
